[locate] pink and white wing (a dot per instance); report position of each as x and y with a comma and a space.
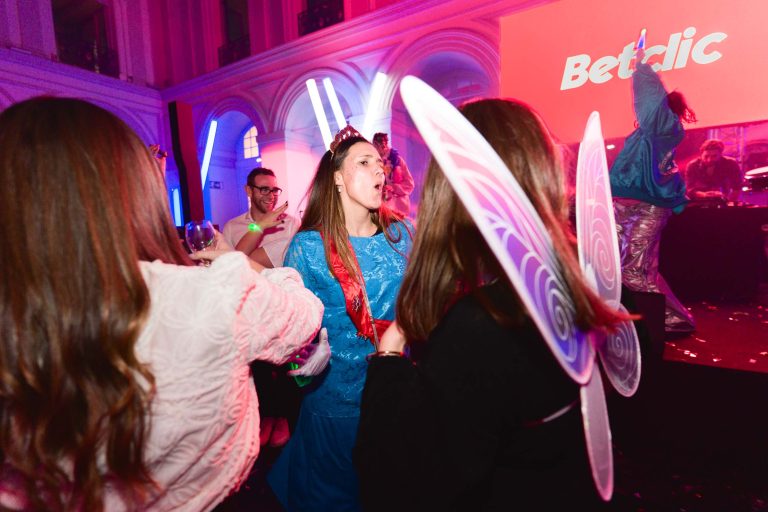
507, 220
597, 431
599, 256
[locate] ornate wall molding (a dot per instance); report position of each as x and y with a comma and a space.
23, 76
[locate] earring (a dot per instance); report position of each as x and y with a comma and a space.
338, 189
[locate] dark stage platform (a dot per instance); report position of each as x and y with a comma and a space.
695, 437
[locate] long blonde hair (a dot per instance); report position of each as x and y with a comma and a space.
82, 202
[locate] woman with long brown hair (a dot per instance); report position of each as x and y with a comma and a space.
486, 419
123, 367
351, 251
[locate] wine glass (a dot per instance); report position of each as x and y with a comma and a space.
200, 236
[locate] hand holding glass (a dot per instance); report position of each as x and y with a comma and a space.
200, 236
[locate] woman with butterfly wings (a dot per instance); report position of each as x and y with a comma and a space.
487, 419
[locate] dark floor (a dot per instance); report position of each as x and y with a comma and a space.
730, 334
695, 436
696, 441
255, 495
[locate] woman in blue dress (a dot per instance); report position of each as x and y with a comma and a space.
351, 252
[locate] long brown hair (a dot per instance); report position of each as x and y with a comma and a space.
679, 106
82, 202
324, 212
450, 257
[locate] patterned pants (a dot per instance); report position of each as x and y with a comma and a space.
639, 226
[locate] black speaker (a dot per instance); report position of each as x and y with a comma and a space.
634, 419
714, 253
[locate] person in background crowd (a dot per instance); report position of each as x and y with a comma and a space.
486, 419
352, 253
712, 175
263, 233
124, 367
160, 156
399, 185
647, 187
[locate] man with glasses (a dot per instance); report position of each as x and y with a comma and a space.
264, 231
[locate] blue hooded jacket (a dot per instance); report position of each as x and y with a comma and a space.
645, 169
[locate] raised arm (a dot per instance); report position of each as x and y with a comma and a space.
250, 243
648, 93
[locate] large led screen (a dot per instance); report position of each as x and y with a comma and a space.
570, 57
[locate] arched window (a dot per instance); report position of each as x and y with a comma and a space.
250, 143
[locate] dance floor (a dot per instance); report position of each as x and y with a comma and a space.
730, 335
695, 436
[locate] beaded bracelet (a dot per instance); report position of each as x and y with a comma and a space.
384, 353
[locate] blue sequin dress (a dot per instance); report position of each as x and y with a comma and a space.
315, 472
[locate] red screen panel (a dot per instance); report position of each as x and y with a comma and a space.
571, 57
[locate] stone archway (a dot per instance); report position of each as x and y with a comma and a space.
297, 144
223, 190
458, 77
